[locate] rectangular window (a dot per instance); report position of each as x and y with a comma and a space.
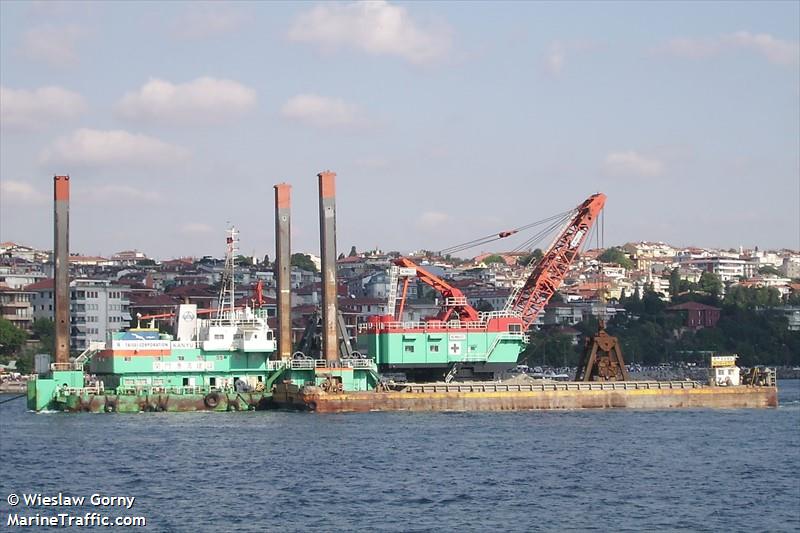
127, 359
515, 328
180, 358
218, 337
212, 382
433, 348
408, 348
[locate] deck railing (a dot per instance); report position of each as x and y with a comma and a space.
310, 364
549, 386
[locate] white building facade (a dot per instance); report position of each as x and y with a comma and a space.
97, 308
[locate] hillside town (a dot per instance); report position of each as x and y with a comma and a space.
110, 294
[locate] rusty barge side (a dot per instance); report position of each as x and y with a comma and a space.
499, 397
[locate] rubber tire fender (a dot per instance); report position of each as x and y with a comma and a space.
211, 400
111, 406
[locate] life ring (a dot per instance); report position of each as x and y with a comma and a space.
211, 400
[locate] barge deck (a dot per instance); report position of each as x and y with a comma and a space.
499, 396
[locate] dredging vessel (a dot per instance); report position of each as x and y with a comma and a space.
233, 361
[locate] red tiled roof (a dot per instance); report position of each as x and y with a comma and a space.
47, 283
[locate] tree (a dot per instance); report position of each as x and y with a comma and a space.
266, 260
674, 282
341, 256
550, 348
244, 260
25, 362
11, 338
710, 283
353, 252
770, 271
44, 330
303, 262
535, 256
493, 259
616, 255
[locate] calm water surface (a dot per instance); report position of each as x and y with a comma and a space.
699, 470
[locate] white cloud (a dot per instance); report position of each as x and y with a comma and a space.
119, 193
375, 27
99, 148
554, 60
19, 192
198, 23
632, 164
558, 52
202, 100
55, 45
23, 109
431, 220
195, 228
776, 51
322, 111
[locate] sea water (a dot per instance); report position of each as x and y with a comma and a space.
600, 470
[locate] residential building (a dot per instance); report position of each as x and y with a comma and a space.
697, 315
791, 266
16, 307
726, 268
97, 308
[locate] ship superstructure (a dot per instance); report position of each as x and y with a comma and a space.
217, 362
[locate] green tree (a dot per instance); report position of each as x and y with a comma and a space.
44, 330
244, 260
674, 282
353, 252
535, 256
25, 362
493, 259
303, 262
550, 349
710, 283
11, 338
770, 271
616, 255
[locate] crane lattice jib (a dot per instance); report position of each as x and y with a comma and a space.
548, 274
460, 307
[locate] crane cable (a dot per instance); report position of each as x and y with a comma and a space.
503, 234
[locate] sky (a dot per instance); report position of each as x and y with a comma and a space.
443, 121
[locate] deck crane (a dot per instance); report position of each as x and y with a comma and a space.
454, 303
544, 277
459, 340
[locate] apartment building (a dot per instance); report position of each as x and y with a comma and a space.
97, 308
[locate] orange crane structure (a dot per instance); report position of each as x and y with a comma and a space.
459, 337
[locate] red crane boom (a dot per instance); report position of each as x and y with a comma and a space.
454, 300
547, 275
